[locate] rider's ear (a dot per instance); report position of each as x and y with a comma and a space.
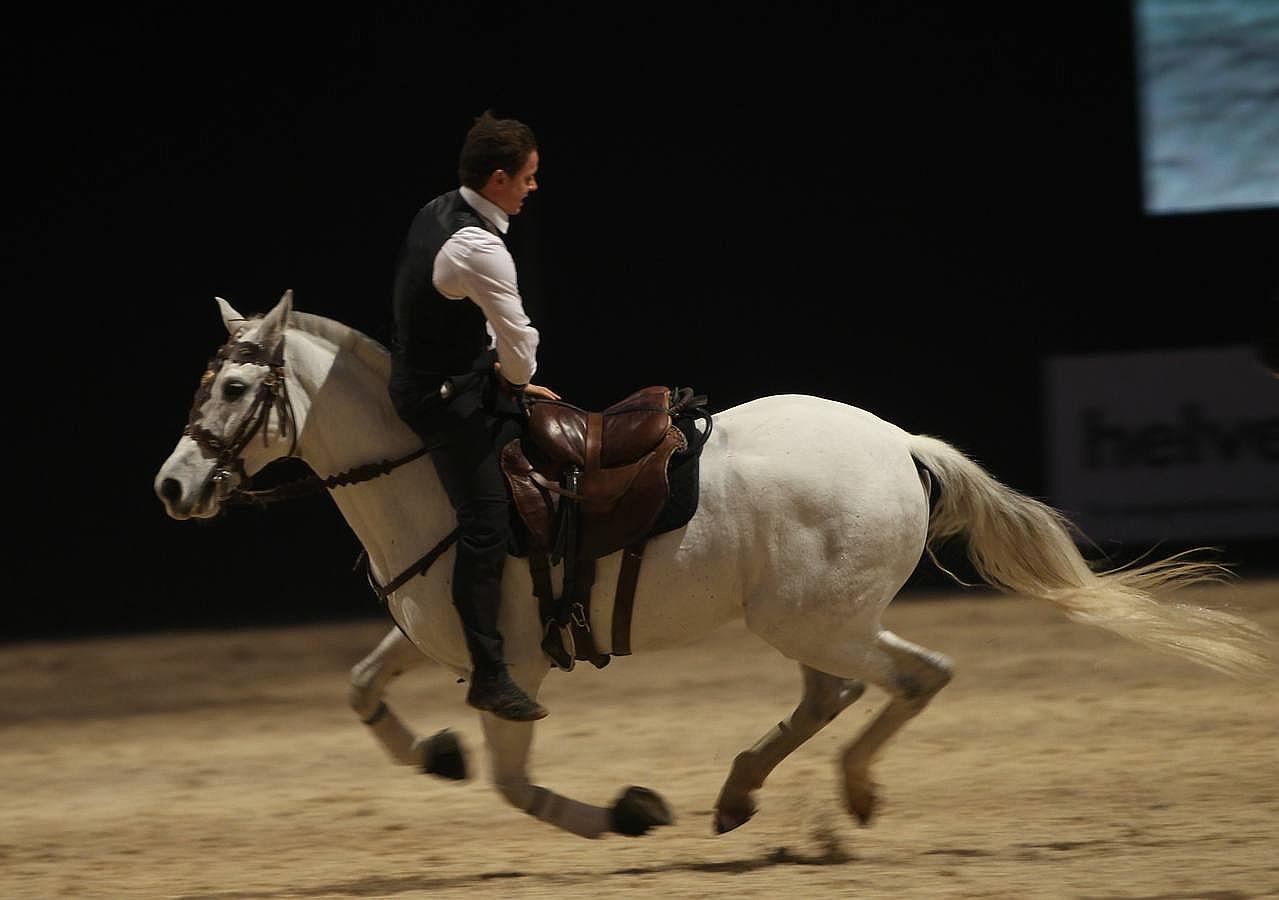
233, 320
272, 330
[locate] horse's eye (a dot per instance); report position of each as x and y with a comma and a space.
234, 389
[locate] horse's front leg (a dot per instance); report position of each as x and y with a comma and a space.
439, 754
636, 810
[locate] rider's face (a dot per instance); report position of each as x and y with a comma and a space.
508, 190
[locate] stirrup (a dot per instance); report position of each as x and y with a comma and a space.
557, 643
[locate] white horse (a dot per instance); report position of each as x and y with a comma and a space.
812, 516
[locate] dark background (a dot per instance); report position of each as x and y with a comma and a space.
907, 207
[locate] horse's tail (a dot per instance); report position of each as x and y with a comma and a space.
1020, 545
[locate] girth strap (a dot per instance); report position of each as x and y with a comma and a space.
567, 635
418, 568
624, 603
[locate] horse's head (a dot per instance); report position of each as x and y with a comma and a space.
241, 418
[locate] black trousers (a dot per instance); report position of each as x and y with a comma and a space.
468, 432
467, 462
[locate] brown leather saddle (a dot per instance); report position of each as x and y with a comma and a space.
586, 485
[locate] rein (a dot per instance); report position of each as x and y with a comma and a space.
314, 484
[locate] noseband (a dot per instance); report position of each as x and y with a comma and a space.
272, 393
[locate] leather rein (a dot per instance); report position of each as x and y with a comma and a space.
273, 394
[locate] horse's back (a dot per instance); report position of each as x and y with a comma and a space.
785, 430
804, 464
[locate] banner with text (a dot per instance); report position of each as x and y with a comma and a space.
1165, 445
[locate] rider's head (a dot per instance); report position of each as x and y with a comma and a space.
499, 160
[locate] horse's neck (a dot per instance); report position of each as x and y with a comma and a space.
350, 422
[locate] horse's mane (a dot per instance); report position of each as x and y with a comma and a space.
365, 348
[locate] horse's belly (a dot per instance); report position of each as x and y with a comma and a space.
686, 589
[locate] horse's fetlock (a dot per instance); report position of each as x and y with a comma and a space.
944, 667
522, 795
747, 772
365, 701
944, 677
922, 684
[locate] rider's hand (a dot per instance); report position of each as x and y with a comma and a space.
529, 390
542, 393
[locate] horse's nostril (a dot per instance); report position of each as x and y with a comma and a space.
170, 490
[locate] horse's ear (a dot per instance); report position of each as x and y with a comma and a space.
233, 320
273, 323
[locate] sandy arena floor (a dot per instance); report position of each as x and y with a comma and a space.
1061, 762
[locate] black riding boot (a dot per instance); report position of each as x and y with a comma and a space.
477, 576
493, 689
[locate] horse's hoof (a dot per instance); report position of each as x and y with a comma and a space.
728, 819
637, 810
861, 800
444, 756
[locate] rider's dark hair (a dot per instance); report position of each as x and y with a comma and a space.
493, 144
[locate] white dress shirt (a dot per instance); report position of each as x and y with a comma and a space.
475, 264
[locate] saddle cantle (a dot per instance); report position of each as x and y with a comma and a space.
587, 484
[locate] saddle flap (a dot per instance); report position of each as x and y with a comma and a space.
535, 504
620, 456
620, 504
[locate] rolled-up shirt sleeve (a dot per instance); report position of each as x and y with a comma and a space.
476, 264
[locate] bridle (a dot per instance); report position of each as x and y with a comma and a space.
272, 394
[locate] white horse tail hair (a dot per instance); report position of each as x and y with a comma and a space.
1021, 545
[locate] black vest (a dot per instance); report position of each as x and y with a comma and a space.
435, 337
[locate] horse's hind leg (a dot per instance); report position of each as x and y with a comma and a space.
911, 675
439, 754
825, 697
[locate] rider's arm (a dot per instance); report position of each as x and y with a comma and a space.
476, 264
